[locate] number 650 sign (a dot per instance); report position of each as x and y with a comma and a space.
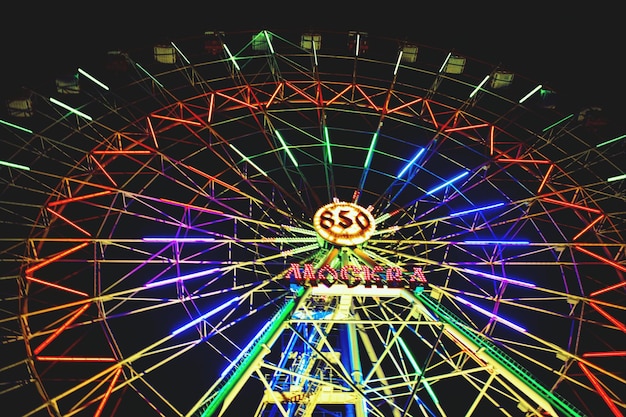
342, 223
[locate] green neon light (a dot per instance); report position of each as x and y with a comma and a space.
149, 75
286, 148
246, 361
269, 41
418, 370
4, 122
231, 57
70, 109
93, 79
499, 356
533, 91
611, 141
327, 140
617, 178
245, 158
12, 165
370, 151
558, 122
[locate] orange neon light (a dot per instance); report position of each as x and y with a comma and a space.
121, 152
456, 129
410, 103
341, 93
274, 94
572, 205
56, 257
432, 115
175, 119
104, 171
600, 390
74, 359
60, 330
301, 92
609, 317
78, 198
358, 87
491, 139
68, 221
589, 226
545, 178
236, 100
106, 396
156, 144
57, 286
211, 108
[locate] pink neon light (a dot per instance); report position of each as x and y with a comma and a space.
174, 119
60, 330
57, 286
600, 390
572, 205
74, 359
71, 223
79, 198
56, 257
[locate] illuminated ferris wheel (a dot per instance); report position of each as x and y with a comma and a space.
312, 224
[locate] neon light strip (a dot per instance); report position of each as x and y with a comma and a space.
491, 315
358, 41
572, 205
411, 162
314, 51
410, 103
245, 158
558, 122
600, 390
497, 278
328, 147
458, 177
149, 75
479, 86
204, 317
181, 278
178, 239
121, 152
545, 178
74, 359
231, 57
370, 151
589, 226
522, 161
180, 53
491, 139
68, 221
609, 317
243, 103
460, 213
79, 198
104, 171
616, 178
457, 129
395, 70
58, 331
286, 148
71, 110
445, 61
4, 122
58, 287
12, 165
175, 119
527, 96
93, 79
56, 257
495, 242
156, 144
418, 370
107, 394
269, 42
598, 145
211, 108
604, 354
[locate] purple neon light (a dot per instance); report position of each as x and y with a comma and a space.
495, 242
498, 278
491, 315
178, 239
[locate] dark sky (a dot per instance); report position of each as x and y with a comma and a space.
576, 50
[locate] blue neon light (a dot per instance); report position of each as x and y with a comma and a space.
460, 213
406, 167
203, 317
439, 187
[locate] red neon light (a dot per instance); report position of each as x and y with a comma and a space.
57, 286
71, 223
175, 119
589, 226
74, 359
572, 205
605, 260
432, 115
56, 257
456, 129
332, 100
600, 390
609, 317
301, 92
58, 331
79, 198
108, 393
121, 152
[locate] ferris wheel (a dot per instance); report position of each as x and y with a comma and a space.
310, 224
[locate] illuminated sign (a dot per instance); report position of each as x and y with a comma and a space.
344, 224
353, 275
